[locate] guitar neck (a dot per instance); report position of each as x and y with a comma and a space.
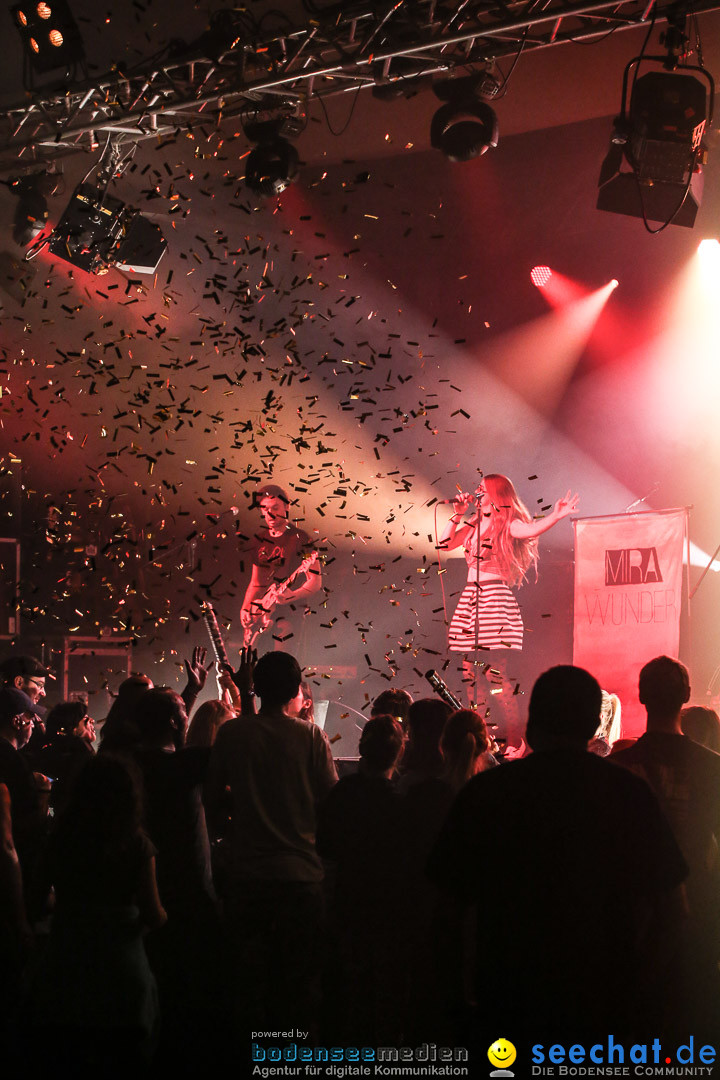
280, 589
303, 568
215, 636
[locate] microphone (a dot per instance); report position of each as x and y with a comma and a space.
449, 502
442, 690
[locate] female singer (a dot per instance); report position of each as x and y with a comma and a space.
500, 543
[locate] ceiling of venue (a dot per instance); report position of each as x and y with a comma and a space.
156, 66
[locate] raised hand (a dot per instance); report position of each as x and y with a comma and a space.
230, 693
196, 670
243, 678
567, 505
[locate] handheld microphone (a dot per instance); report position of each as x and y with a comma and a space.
449, 502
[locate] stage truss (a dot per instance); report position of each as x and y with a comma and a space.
403, 45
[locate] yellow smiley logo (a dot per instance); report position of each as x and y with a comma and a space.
502, 1053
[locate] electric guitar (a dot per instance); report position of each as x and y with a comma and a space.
261, 610
213, 629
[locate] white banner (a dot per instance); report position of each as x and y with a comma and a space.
628, 596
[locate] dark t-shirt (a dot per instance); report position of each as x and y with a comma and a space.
565, 825
62, 760
16, 772
360, 829
278, 768
559, 852
89, 876
175, 821
94, 973
277, 556
686, 779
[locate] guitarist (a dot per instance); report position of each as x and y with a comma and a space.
276, 550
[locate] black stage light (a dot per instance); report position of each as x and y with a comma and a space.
142, 247
31, 212
466, 126
668, 113
676, 204
97, 231
271, 167
659, 141
49, 33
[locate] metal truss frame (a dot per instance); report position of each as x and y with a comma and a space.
400, 45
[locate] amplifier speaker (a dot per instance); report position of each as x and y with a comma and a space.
93, 668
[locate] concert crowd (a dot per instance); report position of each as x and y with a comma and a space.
183, 881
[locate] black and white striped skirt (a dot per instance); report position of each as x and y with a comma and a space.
499, 622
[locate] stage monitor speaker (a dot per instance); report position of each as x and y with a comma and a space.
93, 668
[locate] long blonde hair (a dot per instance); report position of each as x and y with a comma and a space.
464, 741
207, 720
514, 556
610, 727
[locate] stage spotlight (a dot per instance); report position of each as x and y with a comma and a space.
466, 126
49, 33
271, 167
273, 163
614, 283
97, 231
31, 212
668, 113
540, 275
142, 246
660, 137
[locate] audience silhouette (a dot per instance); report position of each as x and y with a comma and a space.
204, 880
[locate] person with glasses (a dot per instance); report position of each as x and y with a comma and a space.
26, 674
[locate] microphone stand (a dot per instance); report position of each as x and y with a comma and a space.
477, 605
643, 499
